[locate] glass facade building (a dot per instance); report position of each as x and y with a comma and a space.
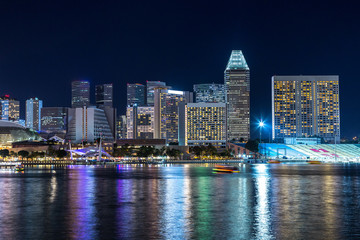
33, 113
53, 119
104, 95
166, 109
9, 109
80, 94
304, 106
237, 89
135, 94
210, 93
150, 87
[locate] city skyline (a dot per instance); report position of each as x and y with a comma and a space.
47, 52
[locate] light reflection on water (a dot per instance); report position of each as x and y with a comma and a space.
181, 202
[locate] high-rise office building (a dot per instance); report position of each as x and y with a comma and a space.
304, 106
237, 88
104, 100
33, 111
87, 125
204, 124
166, 109
210, 93
135, 94
104, 95
9, 108
121, 127
150, 87
80, 94
140, 122
54, 120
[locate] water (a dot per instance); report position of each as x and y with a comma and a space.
278, 201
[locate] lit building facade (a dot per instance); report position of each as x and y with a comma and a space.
121, 127
33, 113
205, 123
166, 109
9, 109
140, 122
209, 93
87, 125
237, 95
80, 94
135, 94
304, 106
104, 95
53, 119
150, 88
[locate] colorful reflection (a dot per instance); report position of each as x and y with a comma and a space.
287, 201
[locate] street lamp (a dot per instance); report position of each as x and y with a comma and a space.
261, 125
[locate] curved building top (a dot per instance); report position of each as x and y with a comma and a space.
5, 124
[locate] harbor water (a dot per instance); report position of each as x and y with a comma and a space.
190, 201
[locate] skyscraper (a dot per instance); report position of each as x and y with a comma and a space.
9, 108
166, 110
150, 86
80, 94
33, 111
104, 95
210, 93
237, 87
135, 94
304, 106
54, 120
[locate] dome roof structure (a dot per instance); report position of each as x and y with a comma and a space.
13, 132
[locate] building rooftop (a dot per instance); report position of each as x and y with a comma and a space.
237, 61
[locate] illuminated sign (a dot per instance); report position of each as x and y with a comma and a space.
175, 92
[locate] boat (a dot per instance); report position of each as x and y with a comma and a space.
273, 161
225, 169
314, 162
19, 168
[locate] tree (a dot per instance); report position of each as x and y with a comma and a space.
145, 151
14, 154
171, 152
125, 150
252, 145
4, 153
61, 153
211, 150
23, 153
196, 150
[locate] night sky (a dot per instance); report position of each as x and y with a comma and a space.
46, 45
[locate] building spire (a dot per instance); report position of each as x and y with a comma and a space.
237, 61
